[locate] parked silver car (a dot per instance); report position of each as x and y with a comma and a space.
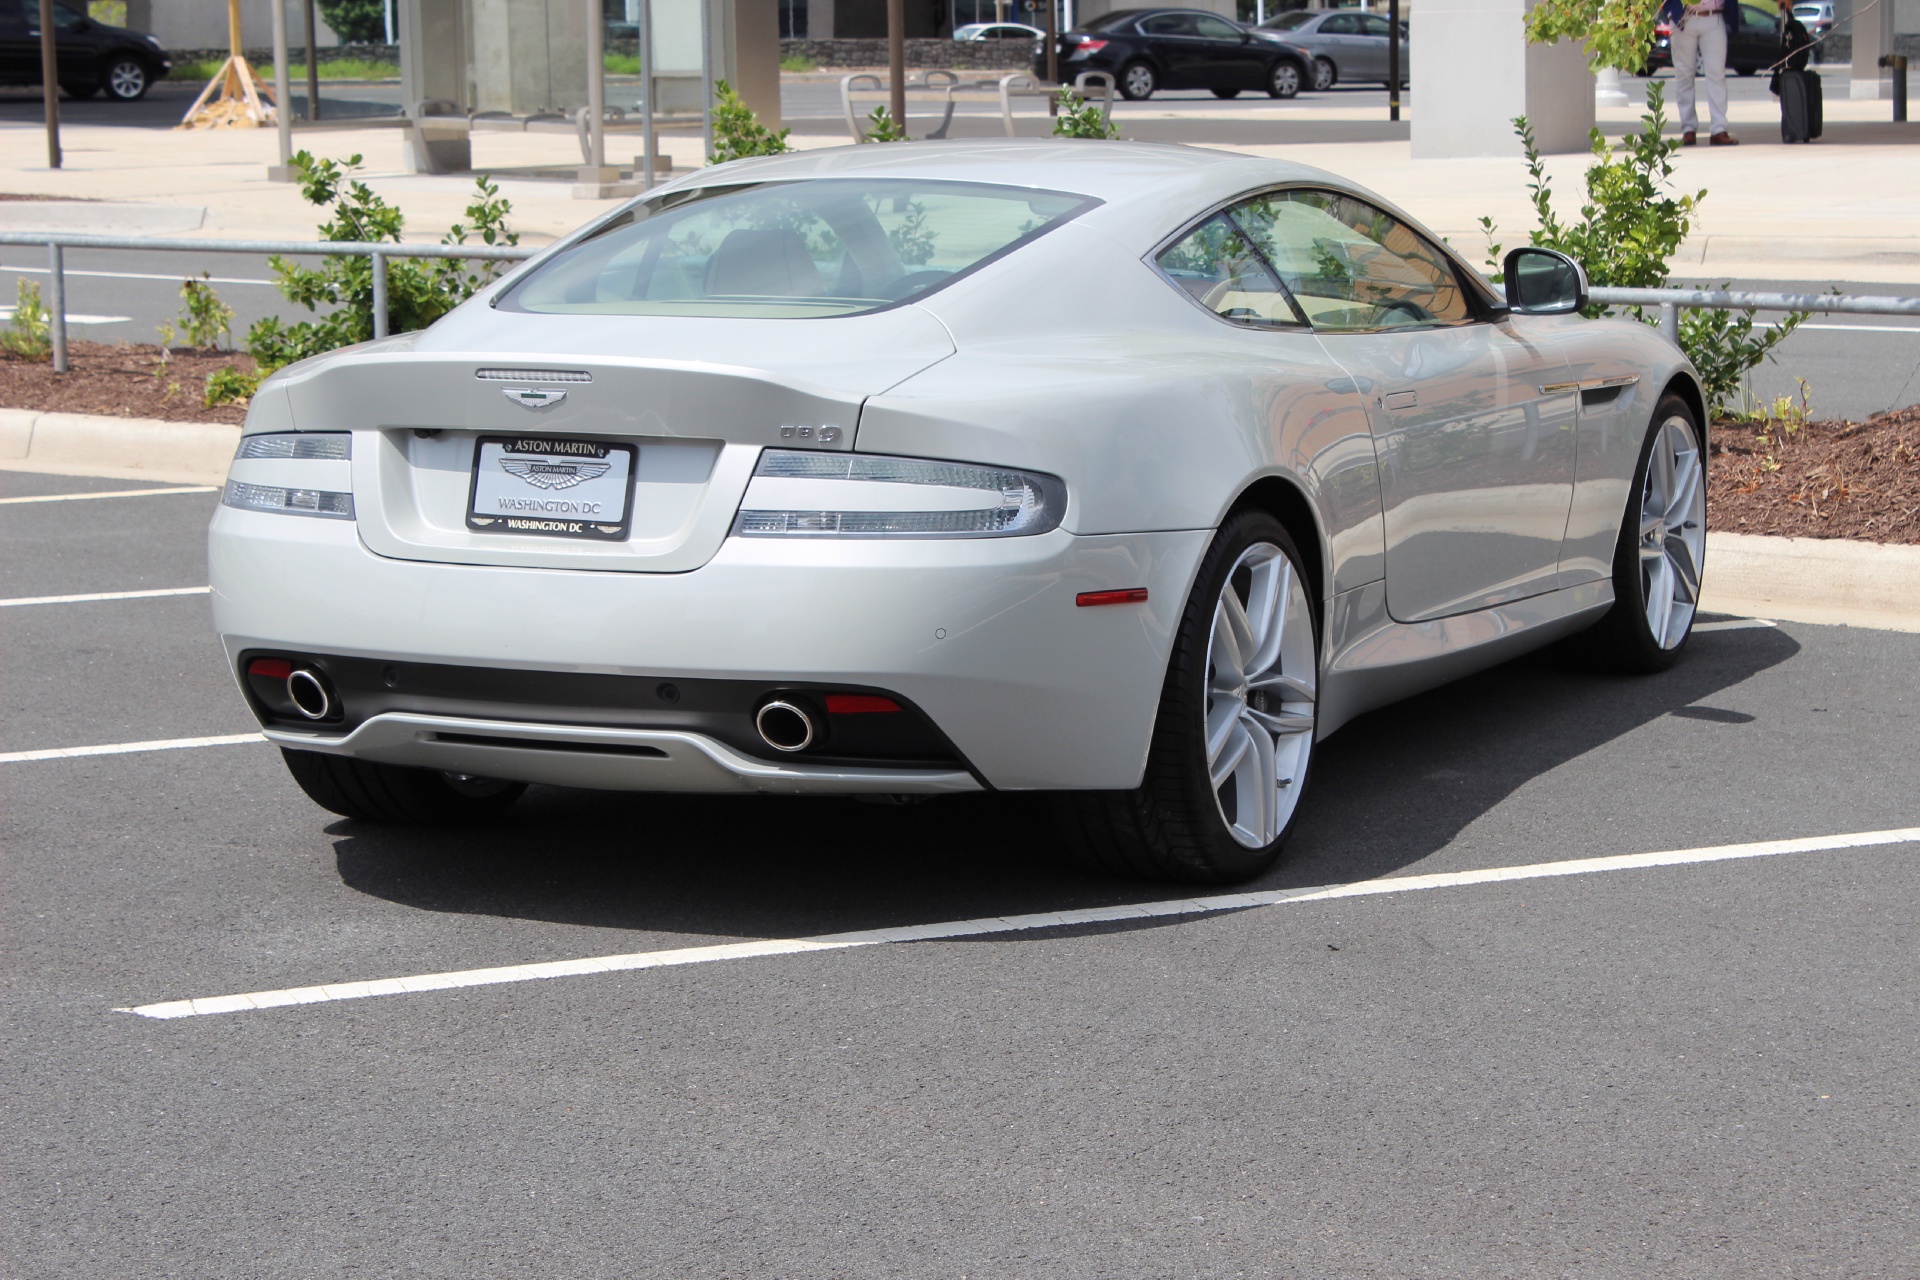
1347, 44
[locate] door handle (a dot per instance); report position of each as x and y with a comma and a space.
1401, 399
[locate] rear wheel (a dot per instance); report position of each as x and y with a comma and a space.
1226, 93
1234, 736
1138, 81
127, 79
374, 792
1324, 74
1284, 80
1658, 561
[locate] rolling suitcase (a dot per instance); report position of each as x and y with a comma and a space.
1800, 106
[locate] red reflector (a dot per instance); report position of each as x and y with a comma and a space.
271, 668
1126, 595
855, 704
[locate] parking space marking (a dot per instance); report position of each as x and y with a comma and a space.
1734, 624
1865, 328
113, 595
128, 748
206, 1005
111, 493
137, 275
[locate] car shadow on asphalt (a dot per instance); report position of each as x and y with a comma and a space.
1389, 790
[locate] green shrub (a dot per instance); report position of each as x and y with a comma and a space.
204, 320
1081, 119
29, 336
419, 290
230, 385
737, 133
356, 21
1628, 229
881, 127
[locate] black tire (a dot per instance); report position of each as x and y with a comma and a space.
1623, 639
126, 78
1138, 81
1170, 827
371, 792
1285, 78
79, 91
1325, 74
1226, 93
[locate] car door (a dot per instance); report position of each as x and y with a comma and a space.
1756, 42
1474, 422
1375, 30
1341, 40
1231, 60
19, 52
1174, 44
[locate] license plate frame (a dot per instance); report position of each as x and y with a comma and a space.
540, 508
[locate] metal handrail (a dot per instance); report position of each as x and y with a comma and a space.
58, 242
1669, 301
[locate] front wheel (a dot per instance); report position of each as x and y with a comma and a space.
372, 792
1658, 562
127, 79
1233, 739
1284, 80
1137, 82
1324, 74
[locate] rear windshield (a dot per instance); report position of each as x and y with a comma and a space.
821, 247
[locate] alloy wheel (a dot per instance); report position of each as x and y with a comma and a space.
1323, 75
1138, 82
1285, 80
1673, 532
1261, 687
126, 79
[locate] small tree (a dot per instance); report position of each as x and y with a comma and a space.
1080, 118
737, 132
1617, 33
882, 127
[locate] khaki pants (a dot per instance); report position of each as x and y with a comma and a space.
1702, 39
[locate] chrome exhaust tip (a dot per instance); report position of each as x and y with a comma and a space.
785, 727
309, 694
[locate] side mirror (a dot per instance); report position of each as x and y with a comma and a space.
1543, 282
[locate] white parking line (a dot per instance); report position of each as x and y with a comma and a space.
1865, 328
127, 748
75, 317
1734, 624
137, 275
111, 493
204, 1005
115, 595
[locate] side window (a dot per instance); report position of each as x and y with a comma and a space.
1341, 24
1375, 26
1352, 266
1215, 29
1216, 265
1168, 24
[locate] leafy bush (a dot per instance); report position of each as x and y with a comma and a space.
230, 385
797, 62
356, 21
1617, 33
30, 334
203, 318
737, 132
1081, 119
881, 126
419, 290
1629, 226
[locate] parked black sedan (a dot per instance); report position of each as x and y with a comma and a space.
93, 55
1147, 50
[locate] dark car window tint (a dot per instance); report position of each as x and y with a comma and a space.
1215, 29
1341, 24
1216, 265
1374, 26
825, 247
1167, 24
1110, 21
1758, 19
1290, 21
1352, 266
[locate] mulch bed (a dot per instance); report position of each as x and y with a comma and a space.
1819, 480
123, 381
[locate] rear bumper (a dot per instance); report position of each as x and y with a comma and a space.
982, 636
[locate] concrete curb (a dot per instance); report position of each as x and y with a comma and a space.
1829, 581
117, 448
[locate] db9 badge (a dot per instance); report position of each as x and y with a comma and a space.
549, 487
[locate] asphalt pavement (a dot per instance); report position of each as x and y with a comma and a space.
1698, 1070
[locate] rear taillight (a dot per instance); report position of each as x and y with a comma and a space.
1089, 46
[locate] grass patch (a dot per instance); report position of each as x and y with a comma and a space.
339, 69
797, 62
622, 64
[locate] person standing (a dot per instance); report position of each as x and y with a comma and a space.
1700, 33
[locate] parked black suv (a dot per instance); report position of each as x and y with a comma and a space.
93, 55
1151, 49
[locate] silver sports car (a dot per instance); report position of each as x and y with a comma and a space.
1119, 471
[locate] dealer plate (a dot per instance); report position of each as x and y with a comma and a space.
552, 487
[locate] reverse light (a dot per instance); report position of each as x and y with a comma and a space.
804, 494
292, 502
336, 445
302, 446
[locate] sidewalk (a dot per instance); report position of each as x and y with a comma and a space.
1847, 208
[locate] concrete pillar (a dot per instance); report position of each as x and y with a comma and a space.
1872, 38
528, 57
1479, 72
